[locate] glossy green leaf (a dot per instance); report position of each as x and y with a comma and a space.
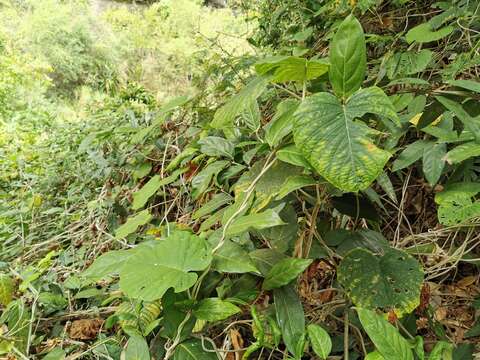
390, 281
262, 220
320, 340
194, 350
216, 146
133, 223
463, 152
160, 265
232, 258
140, 197
340, 148
217, 201
455, 203
284, 272
388, 341
237, 104
137, 348
215, 309
291, 319
106, 265
434, 162
348, 58
6, 289
423, 33
291, 68
412, 153
282, 123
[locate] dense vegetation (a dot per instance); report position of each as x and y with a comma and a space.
279, 179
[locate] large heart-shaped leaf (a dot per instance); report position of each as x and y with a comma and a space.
338, 147
392, 281
153, 269
348, 58
389, 343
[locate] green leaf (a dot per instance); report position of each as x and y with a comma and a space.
385, 336
140, 197
265, 259
386, 184
133, 223
294, 183
252, 116
56, 354
216, 146
290, 154
282, 123
321, 341
6, 289
339, 148
291, 319
237, 104
412, 153
283, 272
466, 84
232, 258
463, 152
408, 63
434, 162
217, 201
441, 351
137, 348
423, 33
193, 350
262, 220
391, 282
374, 356
106, 265
455, 203
215, 309
348, 58
291, 68
201, 181
283, 237
154, 268
471, 123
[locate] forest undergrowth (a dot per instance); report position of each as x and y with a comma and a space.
279, 179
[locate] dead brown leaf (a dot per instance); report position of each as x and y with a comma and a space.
85, 329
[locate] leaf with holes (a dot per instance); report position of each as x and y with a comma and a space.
170, 263
391, 281
336, 143
456, 204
